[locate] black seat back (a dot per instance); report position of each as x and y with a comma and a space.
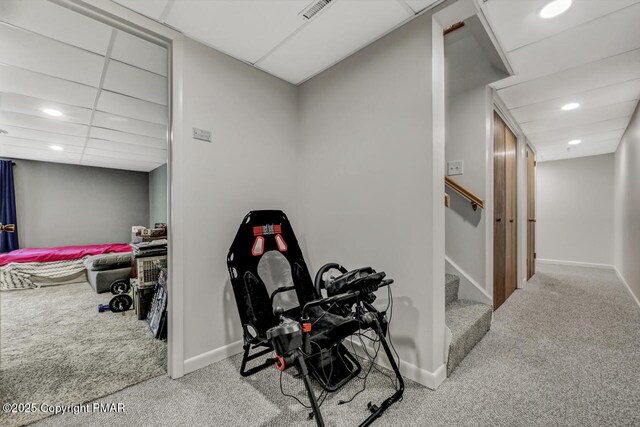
263, 232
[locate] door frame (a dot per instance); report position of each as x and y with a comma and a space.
126, 20
521, 189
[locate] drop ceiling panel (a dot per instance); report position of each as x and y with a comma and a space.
121, 163
566, 134
132, 81
599, 137
42, 137
25, 152
151, 8
48, 19
43, 124
580, 45
31, 106
114, 135
559, 153
419, 5
118, 148
614, 70
581, 117
37, 53
127, 124
29, 83
517, 23
342, 28
627, 91
141, 53
242, 28
115, 103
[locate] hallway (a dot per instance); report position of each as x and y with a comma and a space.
565, 350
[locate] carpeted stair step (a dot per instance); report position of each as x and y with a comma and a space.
451, 285
469, 321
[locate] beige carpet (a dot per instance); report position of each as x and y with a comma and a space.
55, 348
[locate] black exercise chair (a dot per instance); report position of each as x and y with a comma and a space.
292, 318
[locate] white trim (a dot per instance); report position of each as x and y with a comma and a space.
452, 268
575, 263
213, 356
635, 298
431, 380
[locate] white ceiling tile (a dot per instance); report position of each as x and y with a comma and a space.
10, 102
343, 28
42, 137
592, 138
419, 5
621, 92
129, 138
132, 81
127, 151
141, 53
46, 18
582, 150
43, 124
150, 8
517, 23
582, 116
614, 70
106, 162
31, 51
115, 103
580, 45
244, 29
28, 153
29, 83
127, 124
578, 132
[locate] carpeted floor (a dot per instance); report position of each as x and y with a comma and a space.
57, 349
564, 351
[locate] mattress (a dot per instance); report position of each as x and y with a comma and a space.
26, 268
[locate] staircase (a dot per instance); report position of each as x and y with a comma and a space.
468, 321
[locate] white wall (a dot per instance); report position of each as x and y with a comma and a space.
250, 164
627, 205
575, 210
60, 205
366, 180
158, 195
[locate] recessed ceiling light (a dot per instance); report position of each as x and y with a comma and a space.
52, 112
56, 147
570, 106
575, 141
555, 8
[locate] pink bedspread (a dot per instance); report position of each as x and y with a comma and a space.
61, 253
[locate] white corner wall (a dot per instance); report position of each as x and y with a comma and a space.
369, 151
249, 165
627, 206
575, 210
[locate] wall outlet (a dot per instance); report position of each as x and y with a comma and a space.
454, 168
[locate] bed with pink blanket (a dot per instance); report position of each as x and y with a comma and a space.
27, 268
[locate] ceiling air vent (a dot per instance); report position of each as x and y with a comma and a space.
317, 7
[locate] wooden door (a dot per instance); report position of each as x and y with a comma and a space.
531, 213
505, 240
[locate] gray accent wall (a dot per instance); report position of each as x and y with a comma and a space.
627, 205
60, 204
575, 210
158, 195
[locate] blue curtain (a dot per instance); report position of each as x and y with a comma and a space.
8, 241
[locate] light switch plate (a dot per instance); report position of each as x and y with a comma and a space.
202, 135
455, 168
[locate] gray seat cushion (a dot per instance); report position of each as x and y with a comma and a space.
101, 280
108, 261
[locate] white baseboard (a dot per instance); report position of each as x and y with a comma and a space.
635, 298
206, 359
575, 263
408, 370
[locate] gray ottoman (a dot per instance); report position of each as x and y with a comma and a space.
103, 270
